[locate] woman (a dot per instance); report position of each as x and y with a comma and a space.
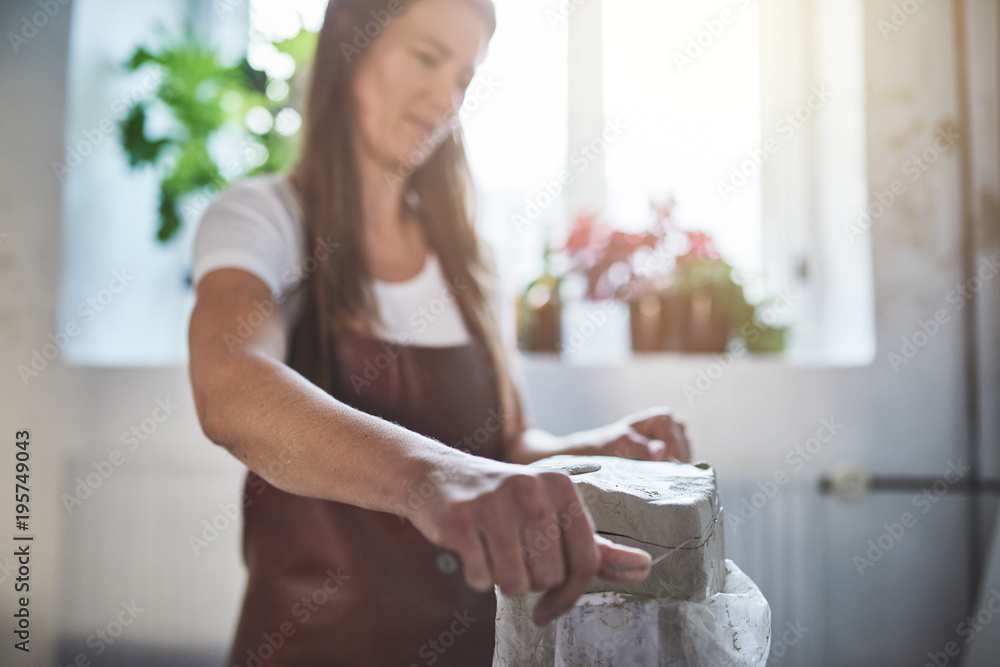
345, 346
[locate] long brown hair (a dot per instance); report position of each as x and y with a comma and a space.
339, 293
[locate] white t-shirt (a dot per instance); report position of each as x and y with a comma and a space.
256, 225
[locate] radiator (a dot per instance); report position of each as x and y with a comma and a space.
773, 534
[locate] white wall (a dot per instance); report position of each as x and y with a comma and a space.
31, 135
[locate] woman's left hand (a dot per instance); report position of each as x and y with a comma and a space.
650, 435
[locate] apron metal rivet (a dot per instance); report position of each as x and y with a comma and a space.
447, 563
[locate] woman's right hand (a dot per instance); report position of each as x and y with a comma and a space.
523, 530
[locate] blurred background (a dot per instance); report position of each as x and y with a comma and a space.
780, 218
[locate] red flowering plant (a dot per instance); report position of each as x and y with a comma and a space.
693, 289
608, 258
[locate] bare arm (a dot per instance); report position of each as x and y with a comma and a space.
305, 442
283, 427
651, 435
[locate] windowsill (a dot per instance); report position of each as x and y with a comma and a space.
599, 336
786, 359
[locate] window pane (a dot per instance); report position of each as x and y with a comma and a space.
685, 77
124, 297
515, 130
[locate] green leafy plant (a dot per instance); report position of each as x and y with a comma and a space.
197, 100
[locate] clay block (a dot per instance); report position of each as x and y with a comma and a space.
662, 508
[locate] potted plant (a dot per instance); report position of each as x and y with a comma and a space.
202, 97
682, 294
539, 312
698, 311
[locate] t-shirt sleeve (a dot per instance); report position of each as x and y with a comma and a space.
248, 227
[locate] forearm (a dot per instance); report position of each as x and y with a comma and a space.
534, 444
303, 441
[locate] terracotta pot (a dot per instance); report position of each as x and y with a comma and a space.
540, 329
678, 321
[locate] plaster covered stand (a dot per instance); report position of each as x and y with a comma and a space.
695, 607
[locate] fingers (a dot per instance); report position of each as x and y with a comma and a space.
678, 446
544, 551
660, 424
582, 559
658, 450
528, 546
635, 445
462, 538
653, 412
504, 548
621, 563
521, 547
683, 445
533, 532
614, 562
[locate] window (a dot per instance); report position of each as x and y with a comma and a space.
634, 99
748, 113
124, 297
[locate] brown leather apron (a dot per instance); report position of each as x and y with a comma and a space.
332, 584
